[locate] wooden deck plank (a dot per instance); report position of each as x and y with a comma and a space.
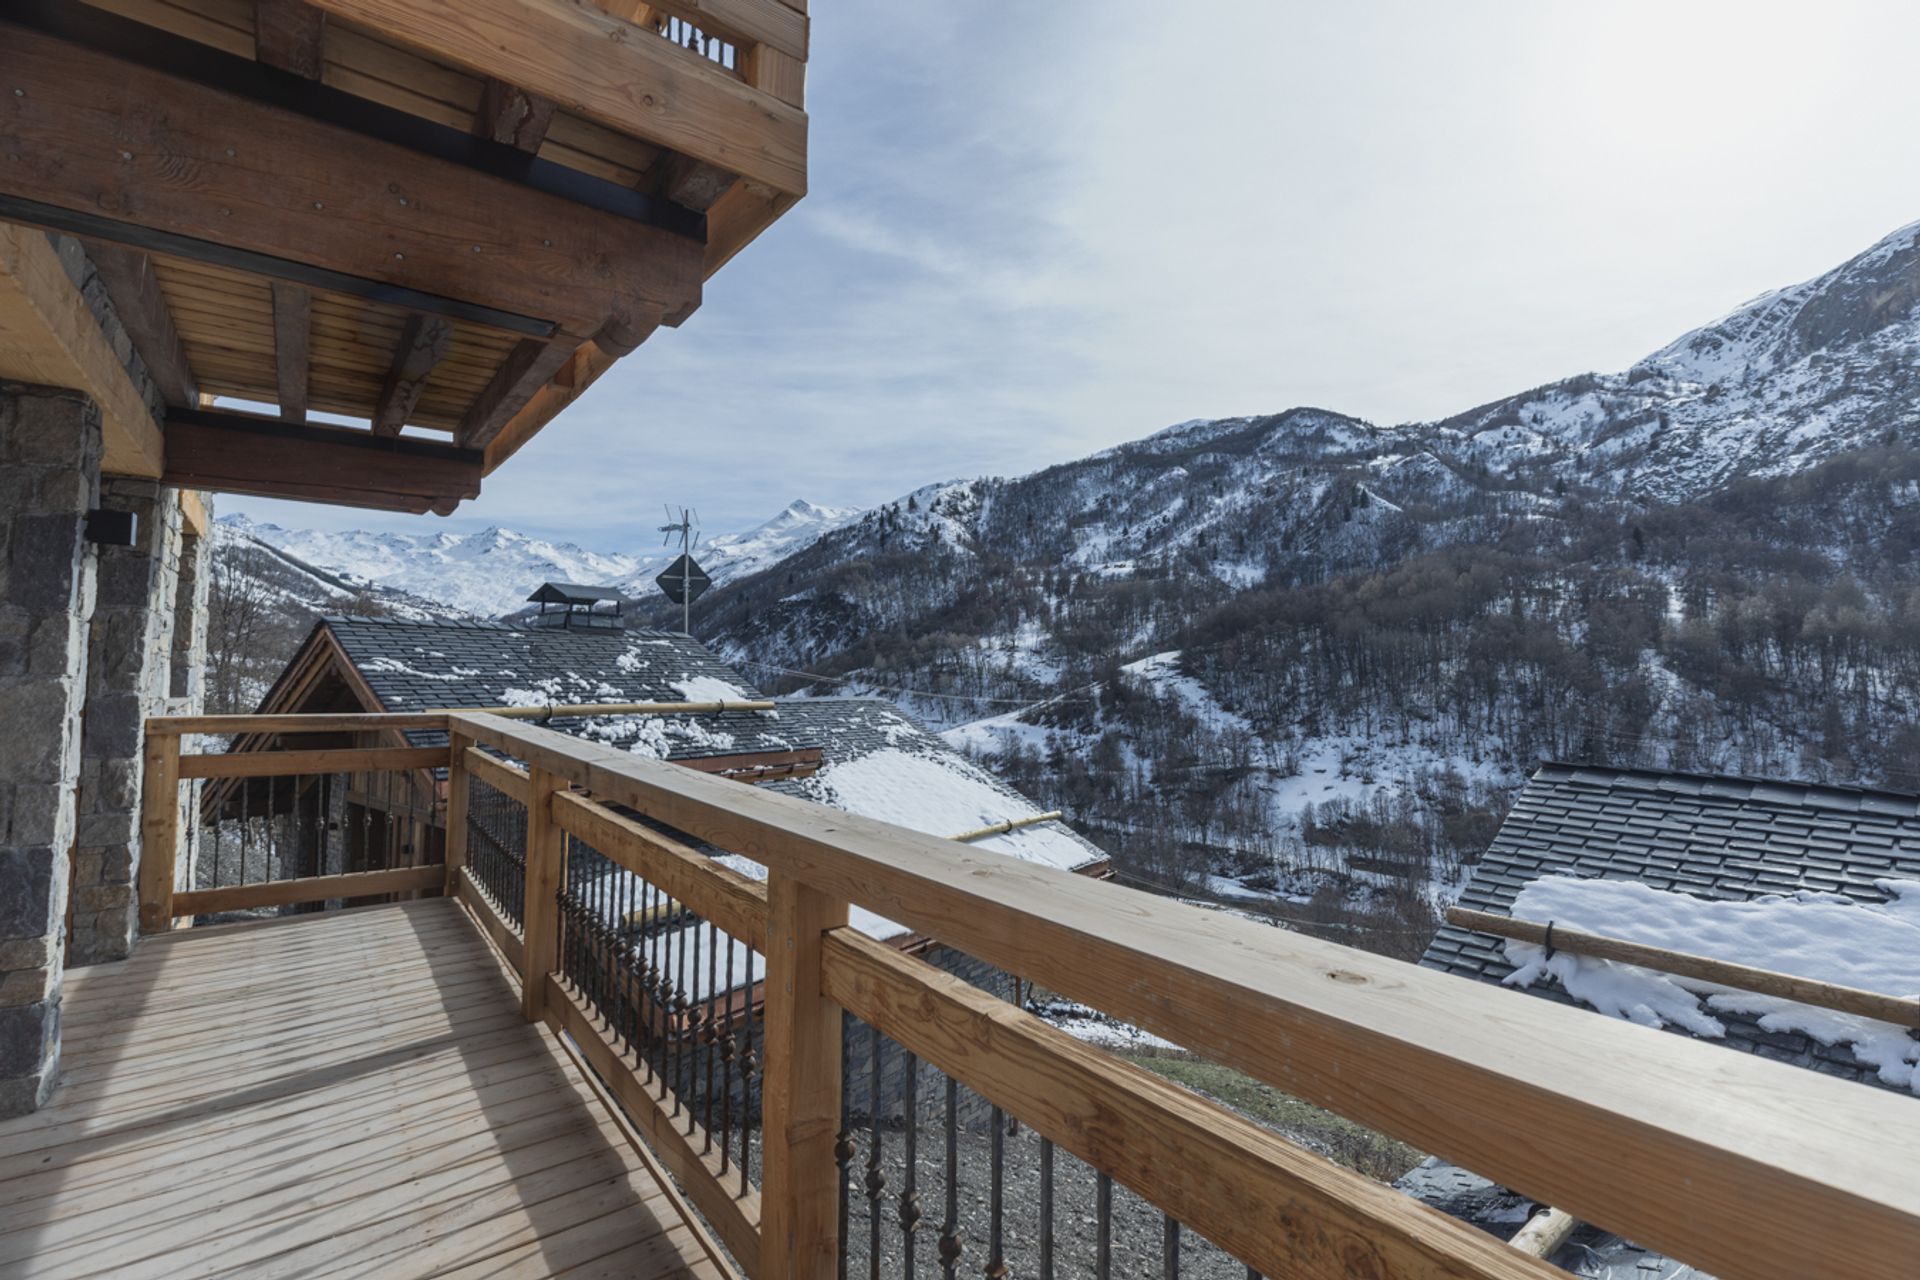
344, 1094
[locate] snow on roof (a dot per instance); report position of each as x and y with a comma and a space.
1703, 838
943, 794
1824, 936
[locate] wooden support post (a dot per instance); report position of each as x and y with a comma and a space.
546, 872
159, 831
801, 1088
457, 789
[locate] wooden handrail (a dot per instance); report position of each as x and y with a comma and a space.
1684, 1145
283, 764
1902, 1011
1272, 1204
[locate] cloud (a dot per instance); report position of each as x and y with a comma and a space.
1038, 230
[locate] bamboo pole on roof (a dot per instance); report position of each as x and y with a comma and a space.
1902, 1011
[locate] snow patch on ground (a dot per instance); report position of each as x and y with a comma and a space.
1827, 937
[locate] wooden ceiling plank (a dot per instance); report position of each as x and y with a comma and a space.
266, 189
141, 303
423, 343
292, 341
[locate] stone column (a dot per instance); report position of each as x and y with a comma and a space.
49, 479
129, 677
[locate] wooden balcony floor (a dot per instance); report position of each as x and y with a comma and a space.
347, 1094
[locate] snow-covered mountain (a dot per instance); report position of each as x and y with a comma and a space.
490, 573
1304, 647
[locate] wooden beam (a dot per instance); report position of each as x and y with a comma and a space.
694, 184
601, 67
528, 367
346, 722
142, 307
1683, 1152
193, 512
546, 871
743, 22
292, 347
281, 764
800, 1087
459, 791
269, 181
285, 893
243, 453
159, 830
1902, 1011
290, 35
511, 115
423, 344
1274, 1205
580, 371
48, 336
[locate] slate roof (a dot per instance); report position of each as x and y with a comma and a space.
1589, 1252
1735, 839
572, 593
416, 665
413, 666
1712, 836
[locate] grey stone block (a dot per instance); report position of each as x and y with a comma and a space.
44, 561
22, 1094
29, 1034
113, 725
39, 813
52, 428
27, 889
33, 747
96, 830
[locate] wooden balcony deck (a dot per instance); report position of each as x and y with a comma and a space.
354, 1093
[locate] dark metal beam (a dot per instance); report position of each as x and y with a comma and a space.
260, 82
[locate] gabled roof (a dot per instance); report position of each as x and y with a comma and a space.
875, 760
1733, 839
572, 593
412, 666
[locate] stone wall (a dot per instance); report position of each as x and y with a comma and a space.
129, 677
49, 479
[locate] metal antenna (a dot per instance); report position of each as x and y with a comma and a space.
684, 527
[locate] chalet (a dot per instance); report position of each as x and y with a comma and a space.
1818, 882
359, 252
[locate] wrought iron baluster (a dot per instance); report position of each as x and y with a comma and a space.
844, 1149
910, 1212
708, 1040
1170, 1249
952, 1243
996, 1198
1046, 1209
726, 1042
876, 1176
749, 1067
1103, 1214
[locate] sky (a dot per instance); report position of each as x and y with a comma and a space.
1038, 230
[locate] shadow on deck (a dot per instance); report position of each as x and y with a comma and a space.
351, 1093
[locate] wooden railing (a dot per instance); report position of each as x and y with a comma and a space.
1739, 1166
